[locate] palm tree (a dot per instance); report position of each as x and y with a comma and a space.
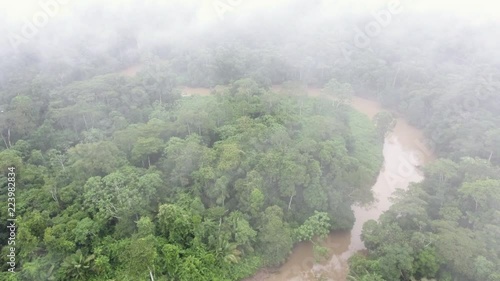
76, 265
228, 251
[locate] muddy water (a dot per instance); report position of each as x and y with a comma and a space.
131, 70
187, 91
403, 153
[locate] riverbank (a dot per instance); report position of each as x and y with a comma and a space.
402, 153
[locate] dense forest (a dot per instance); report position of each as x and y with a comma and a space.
125, 177
200, 188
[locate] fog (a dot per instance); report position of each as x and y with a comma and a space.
60, 30
291, 136
34, 24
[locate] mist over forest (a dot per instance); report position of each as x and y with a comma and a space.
250, 140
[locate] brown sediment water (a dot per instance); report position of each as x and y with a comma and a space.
188, 91
131, 70
404, 151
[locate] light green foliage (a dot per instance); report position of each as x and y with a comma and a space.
85, 231
145, 148
243, 233
170, 256
362, 268
396, 262
181, 159
316, 225
11, 158
38, 270
176, 223
145, 227
427, 263
121, 194
250, 197
55, 240
192, 270
36, 158
23, 114
364, 136
448, 219
77, 266
95, 159
275, 236
244, 169
485, 199
139, 256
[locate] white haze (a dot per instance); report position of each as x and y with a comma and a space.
96, 24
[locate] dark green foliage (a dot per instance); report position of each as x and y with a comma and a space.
207, 188
454, 234
120, 178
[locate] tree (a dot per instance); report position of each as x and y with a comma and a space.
181, 159
316, 225
177, 224
396, 262
275, 236
292, 175
362, 268
458, 247
192, 269
77, 266
170, 255
492, 138
146, 148
342, 92
23, 114
85, 231
242, 232
139, 257
95, 159
485, 269
298, 91
38, 270
384, 122
427, 263
10, 158
250, 197
123, 194
56, 240
484, 194
145, 227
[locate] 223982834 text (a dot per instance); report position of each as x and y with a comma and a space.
11, 221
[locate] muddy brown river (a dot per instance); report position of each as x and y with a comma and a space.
403, 152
